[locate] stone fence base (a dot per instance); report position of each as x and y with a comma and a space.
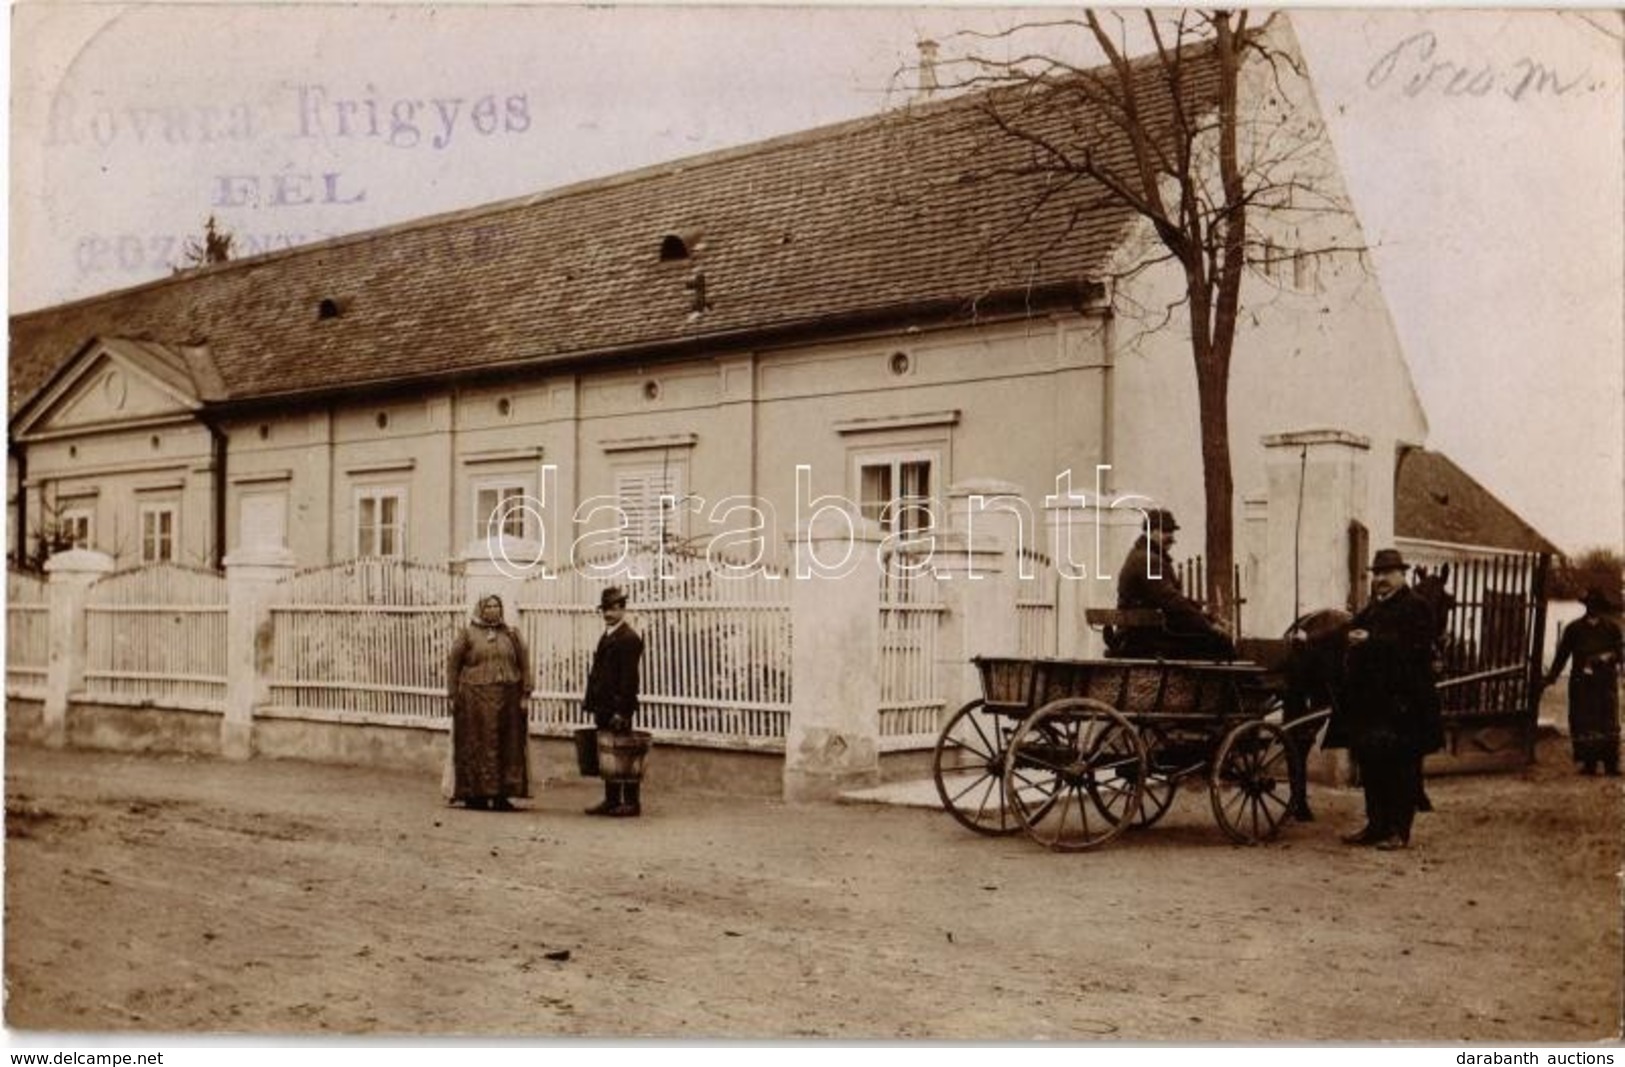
413, 749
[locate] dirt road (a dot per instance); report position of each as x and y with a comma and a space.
166, 894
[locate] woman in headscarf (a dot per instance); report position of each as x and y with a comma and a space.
488, 676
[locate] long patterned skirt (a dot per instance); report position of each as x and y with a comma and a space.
1594, 717
490, 743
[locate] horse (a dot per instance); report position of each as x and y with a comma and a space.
1441, 602
1313, 669
1432, 588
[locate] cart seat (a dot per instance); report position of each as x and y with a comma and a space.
1124, 618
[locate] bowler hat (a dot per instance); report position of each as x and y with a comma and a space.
1161, 520
1596, 598
1389, 559
611, 597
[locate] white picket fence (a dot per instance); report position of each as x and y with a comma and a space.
1036, 595
716, 660
157, 634
28, 633
366, 641
911, 613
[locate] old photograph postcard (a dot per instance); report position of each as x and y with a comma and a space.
908, 523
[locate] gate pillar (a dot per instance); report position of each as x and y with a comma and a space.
833, 740
500, 565
69, 576
1317, 490
1089, 539
254, 582
976, 562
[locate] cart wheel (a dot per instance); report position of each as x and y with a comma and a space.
1251, 782
1161, 783
968, 766
1086, 762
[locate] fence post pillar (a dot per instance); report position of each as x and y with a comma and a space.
69, 578
254, 574
1255, 572
500, 565
977, 564
1317, 486
833, 739
1089, 539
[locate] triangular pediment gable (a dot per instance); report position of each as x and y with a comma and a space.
116, 381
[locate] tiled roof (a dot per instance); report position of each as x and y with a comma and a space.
921, 206
1435, 500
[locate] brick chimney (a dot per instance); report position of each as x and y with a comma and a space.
927, 86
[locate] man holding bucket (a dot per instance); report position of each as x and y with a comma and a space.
612, 701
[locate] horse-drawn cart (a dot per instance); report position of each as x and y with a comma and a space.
1074, 752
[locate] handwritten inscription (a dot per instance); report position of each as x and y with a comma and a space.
1415, 66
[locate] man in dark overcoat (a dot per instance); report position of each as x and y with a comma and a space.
1389, 717
612, 693
1148, 580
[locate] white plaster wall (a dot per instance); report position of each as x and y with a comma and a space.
1323, 356
111, 472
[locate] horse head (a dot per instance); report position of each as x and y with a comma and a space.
1441, 602
1434, 591
1326, 626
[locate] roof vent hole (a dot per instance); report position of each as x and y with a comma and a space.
327, 309
673, 247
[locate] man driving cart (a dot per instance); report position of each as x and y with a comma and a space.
1147, 581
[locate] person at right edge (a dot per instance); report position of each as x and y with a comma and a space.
1390, 714
612, 694
1595, 642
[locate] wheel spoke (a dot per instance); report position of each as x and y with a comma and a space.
1083, 755
990, 746
968, 769
988, 783
1250, 768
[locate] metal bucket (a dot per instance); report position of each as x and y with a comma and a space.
621, 756
587, 752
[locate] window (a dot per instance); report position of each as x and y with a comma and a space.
499, 508
158, 524
895, 491
76, 527
380, 526
650, 497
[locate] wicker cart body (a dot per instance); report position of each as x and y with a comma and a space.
1075, 751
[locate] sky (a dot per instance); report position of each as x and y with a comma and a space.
1482, 150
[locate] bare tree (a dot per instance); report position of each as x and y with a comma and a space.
1599, 567
1174, 136
214, 248
52, 534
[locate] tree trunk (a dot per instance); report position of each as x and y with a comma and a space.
1218, 483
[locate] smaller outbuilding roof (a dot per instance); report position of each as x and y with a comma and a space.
1435, 500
